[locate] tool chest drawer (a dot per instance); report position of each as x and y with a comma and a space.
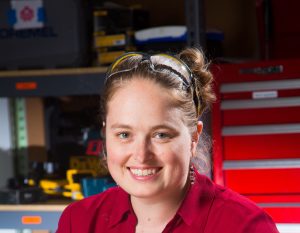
272, 146
263, 181
256, 127
256, 134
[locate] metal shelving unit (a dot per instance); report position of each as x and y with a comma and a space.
54, 82
43, 83
195, 23
85, 81
69, 82
30, 216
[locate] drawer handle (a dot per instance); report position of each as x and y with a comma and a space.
288, 84
260, 129
263, 70
261, 164
260, 103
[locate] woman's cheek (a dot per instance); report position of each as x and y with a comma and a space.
112, 158
115, 155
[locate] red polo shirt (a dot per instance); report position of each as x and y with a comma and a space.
207, 208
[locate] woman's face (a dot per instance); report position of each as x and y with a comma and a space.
148, 145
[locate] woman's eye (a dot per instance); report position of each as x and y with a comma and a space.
162, 135
123, 135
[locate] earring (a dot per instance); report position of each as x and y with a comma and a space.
192, 174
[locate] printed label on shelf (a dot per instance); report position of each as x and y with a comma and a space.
26, 85
31, 220
264, 94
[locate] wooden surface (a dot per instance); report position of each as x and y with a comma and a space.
49, 72
32, 207
50, 205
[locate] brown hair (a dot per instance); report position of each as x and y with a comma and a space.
192, 100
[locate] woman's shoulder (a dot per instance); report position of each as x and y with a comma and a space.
240, 212
83, 214
229, 211
232, 200
222, 197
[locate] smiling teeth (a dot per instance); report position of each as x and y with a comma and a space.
143, 172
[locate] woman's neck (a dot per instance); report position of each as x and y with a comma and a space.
157, 212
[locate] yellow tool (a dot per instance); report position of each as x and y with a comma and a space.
73, 187
52, 187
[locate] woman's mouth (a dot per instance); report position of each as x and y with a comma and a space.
142, 173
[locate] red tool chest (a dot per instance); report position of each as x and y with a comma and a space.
256, 134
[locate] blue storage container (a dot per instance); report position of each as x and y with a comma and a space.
91, 186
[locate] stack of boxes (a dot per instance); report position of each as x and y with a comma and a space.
114, 31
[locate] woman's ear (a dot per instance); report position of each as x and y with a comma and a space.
196, 136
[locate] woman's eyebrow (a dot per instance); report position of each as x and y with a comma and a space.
164, 126
160, 126
120, 126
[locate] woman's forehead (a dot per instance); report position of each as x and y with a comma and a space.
141, 86
137, 90
141, 95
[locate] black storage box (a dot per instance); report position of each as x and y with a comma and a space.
24, 195
63, 41
116, 20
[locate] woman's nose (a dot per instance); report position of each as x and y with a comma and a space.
143, 151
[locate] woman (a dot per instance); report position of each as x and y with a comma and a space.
152, 106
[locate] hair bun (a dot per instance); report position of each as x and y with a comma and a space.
203, 78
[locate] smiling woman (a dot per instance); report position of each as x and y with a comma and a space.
156, 139
152, 107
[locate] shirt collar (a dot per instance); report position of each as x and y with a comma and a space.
198, 200
124, 207
196, 204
